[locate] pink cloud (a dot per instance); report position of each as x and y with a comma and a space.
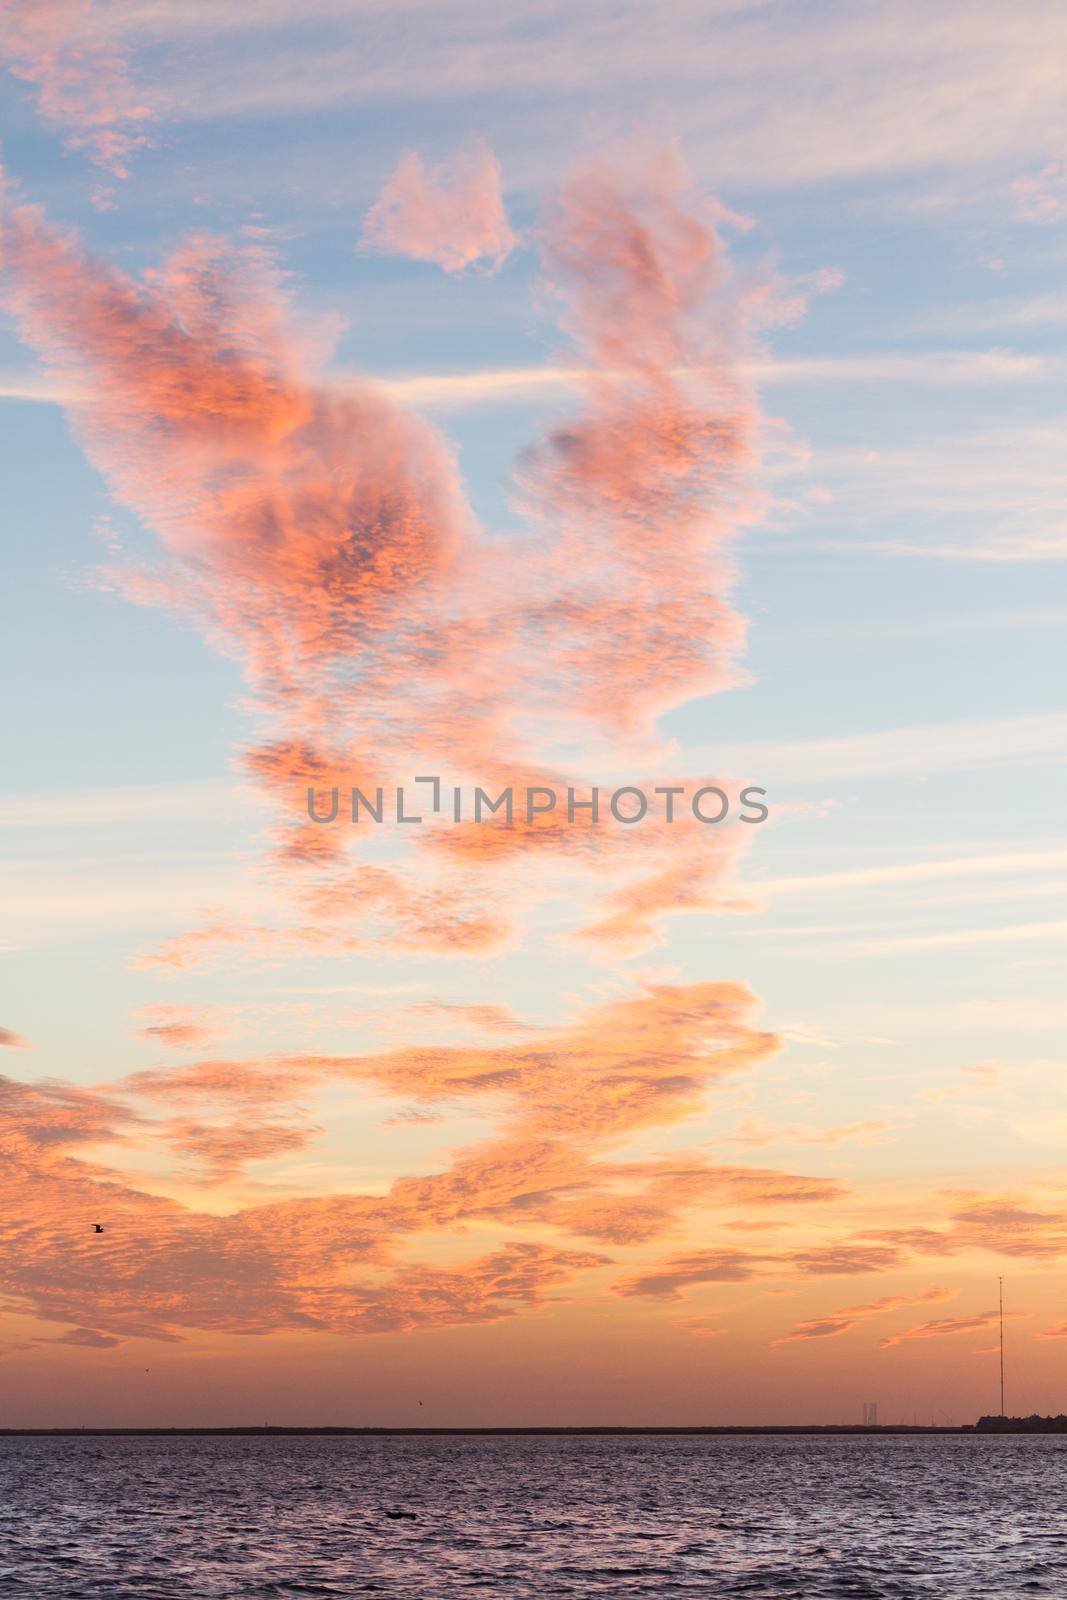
1042, 196
452, 214
321, 535
81, 76
296, 516
651, 482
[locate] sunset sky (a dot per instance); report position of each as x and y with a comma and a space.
534, 395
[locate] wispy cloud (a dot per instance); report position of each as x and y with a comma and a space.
965, 938
969, 743
994, 495
523, 385
754, 1131
1041, 195
79, 809
1002, 1224
79, 68
946, 1327
900, 96
936, 869
849, 1317
671, 1278
177, 1027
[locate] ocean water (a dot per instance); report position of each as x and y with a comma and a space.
810, 1517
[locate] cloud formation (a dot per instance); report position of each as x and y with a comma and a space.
672, 1277
945, 1327
651, 481
452, 214
563, 1100
321, 535
1001, 1224
177, 1027
849, 1317
80, 73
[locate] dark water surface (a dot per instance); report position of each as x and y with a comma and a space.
809, 1517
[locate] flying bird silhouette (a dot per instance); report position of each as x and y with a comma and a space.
98, 1227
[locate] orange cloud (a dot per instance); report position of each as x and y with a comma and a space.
49, 1114
160, 1268
641, 1060
312, 531
849, 1317
818, 1328
87, 1338
452, 214
567, 1097
996, 1223
178, 1027
224, 1150
944, 1327
893, 1302
632, 1063
321, 535
1004, 1226
670, 1279
296, 516
516, 1279
12, 1041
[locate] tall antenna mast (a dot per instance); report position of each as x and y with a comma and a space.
1000, 1281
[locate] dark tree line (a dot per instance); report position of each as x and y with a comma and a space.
1032, 1424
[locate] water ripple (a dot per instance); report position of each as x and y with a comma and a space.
861, 1518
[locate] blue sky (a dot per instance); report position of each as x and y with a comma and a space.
903, 706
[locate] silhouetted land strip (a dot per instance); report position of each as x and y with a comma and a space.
984, 1425
1032, 1424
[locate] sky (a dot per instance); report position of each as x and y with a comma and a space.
539, 399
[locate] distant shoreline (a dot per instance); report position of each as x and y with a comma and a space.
817, 1429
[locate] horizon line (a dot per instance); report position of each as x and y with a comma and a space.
533, 1429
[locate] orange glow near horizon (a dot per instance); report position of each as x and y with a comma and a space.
481, 1123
